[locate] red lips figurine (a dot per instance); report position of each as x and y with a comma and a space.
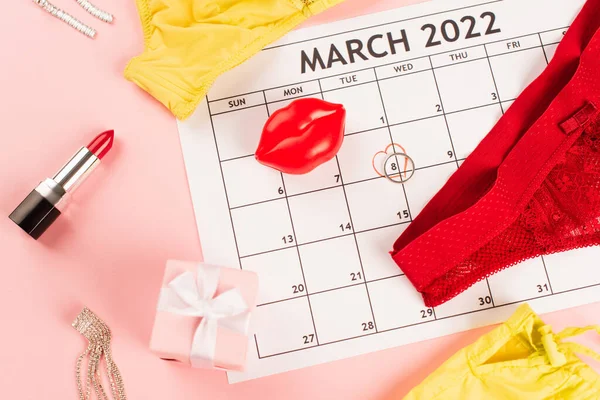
300, 137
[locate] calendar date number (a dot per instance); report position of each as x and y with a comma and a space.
287, 239
485, 300
356, 276
404, 214
298, 288
368, 326
451, 30
346, 227
543, 288
308, 339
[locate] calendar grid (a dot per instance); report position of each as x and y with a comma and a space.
428, 321
435, 318
491, 57
496, 92
366, 130
443, 110
388, 64
362, 269
237, 249
387, 124
365, 83
432, 320
331, 290
295, 238
487, 281
347, 184
344, 184
325, 239
257, 348
542, 257
547, 276
451, 141
543, 48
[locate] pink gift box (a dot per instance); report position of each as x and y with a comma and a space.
172, 334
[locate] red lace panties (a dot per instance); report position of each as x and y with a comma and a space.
532, 186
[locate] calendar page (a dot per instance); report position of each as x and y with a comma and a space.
430, 79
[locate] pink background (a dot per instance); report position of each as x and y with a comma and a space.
58, 90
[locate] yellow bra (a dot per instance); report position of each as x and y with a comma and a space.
188, 43
520, 359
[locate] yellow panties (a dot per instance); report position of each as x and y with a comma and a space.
521, 359
188, 43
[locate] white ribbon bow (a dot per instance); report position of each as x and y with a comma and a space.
193, 295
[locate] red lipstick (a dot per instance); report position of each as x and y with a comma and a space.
102, 144
45, 203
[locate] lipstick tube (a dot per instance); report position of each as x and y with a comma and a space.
48, 200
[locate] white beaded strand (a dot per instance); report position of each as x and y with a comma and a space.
67, 18
95, 11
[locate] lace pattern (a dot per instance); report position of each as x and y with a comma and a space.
563, 214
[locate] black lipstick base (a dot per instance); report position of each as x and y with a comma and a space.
35, 214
